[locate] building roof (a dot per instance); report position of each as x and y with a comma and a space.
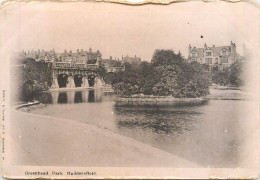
215, 50
200, 51
111, 62
79, 53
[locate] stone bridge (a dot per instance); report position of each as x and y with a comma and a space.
71, 75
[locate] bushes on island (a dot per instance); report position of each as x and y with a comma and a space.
168, 74
230, 76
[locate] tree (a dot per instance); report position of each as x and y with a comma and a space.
193, 81
221, 77
166, 57
179, 78
167, 81
167, 75
101, 71
36, 76
30, 89
235, 77
230, 76
108, 77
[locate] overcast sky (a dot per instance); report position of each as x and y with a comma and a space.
117, 30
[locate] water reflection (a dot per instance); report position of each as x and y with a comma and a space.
62, 99
78, 97
91, 96
158, 120
209, 133
70, 97
205, 134
45, 98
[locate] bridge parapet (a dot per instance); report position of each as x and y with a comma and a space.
91, 66
69, 65
78, 66
61, 65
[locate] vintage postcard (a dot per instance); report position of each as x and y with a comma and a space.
96, 90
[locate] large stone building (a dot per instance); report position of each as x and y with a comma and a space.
216, 56
113, 65
74, 69
131, 60
40, 55
81, 56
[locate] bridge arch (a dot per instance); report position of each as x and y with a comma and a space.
71, 78
91, 80
78, 80
62, 80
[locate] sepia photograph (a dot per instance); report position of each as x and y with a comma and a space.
111, 90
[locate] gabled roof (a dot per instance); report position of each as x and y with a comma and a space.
215, 50
80, 53
200, 51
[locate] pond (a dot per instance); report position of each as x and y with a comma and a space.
209, 134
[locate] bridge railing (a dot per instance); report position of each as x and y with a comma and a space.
91, 66
74, 65
78, 66
61, 65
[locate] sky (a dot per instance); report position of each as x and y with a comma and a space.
117, 30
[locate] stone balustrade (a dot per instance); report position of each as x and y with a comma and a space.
71, 65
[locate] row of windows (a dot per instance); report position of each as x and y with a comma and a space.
209, 60
209, 53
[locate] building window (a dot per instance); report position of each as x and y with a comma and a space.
208, 53
193, 54
216, 60
224, 52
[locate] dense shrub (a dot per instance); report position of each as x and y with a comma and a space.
30, 89
230, 76
168, 74
235, 76
36, 77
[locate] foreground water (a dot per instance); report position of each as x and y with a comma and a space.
209, 134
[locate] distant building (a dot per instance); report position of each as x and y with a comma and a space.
81, 56
131, 60
216, 56
40, 55
113, 65
88, 57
